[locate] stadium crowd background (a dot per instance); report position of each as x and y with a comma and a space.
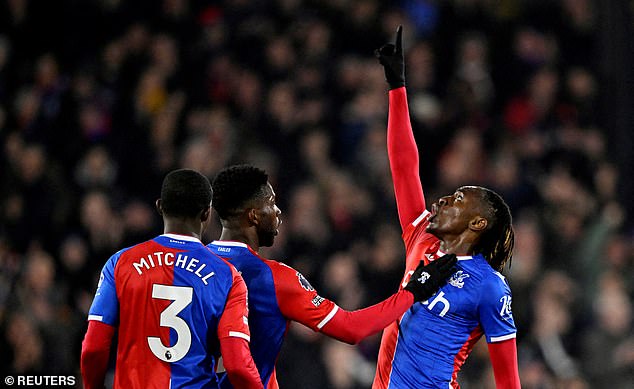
99, 99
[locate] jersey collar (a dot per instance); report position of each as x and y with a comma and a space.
182, 237
440, 253
229, 243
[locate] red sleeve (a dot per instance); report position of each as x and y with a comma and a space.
404, 163
239, 364
234, 322
95, 351
504, 361
298, 300
352, 327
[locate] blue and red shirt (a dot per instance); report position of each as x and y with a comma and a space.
430, 343
172, 300
277, 295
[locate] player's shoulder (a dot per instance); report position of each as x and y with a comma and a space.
287, 275
494, 281
129, 252
278, 266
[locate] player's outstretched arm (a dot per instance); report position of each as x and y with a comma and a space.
352, 327
401, 145
504, 361
95, 351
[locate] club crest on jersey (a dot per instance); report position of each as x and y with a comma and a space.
304, 282
457, 279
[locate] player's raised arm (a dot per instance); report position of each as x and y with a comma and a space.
401, 145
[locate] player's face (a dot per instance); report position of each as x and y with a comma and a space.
269, 218
451, 214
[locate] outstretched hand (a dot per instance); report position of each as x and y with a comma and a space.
391, 57
427, 279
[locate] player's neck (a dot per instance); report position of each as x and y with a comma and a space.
458, 246
182, 227
238, 235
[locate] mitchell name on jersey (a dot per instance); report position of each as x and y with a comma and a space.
161, 258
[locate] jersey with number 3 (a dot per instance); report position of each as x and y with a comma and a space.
171, 299
427, 347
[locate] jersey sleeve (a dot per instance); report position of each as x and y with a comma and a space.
105, 305
504, 361
95, 350
404, 160
234, 320
298, 300
353, 326
495, 312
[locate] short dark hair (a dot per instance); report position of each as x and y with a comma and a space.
498, 239
235, 185
185, 193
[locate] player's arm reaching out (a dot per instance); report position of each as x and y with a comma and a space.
401, 145
301, 303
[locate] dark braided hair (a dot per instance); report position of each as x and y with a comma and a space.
234, 186
185, 193
497, 240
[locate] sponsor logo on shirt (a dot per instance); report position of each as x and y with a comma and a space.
304, 282
457, 279
317, 300
506, 306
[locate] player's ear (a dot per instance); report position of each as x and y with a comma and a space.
158, 207
253, 217
478, 223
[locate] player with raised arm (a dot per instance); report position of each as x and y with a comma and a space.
176, 305
245, 201
429, 344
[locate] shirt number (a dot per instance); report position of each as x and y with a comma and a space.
181, 297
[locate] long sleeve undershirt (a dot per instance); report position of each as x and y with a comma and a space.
353, 326
404, 163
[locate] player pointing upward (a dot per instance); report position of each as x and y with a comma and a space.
427, 347
176, 304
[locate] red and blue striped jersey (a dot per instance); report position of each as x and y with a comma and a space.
427, 347
172, 299
277, 294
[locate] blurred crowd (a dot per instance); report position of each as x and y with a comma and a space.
99, 99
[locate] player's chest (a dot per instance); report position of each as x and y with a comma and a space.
457, 299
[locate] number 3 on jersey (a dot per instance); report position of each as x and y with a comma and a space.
181, 297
